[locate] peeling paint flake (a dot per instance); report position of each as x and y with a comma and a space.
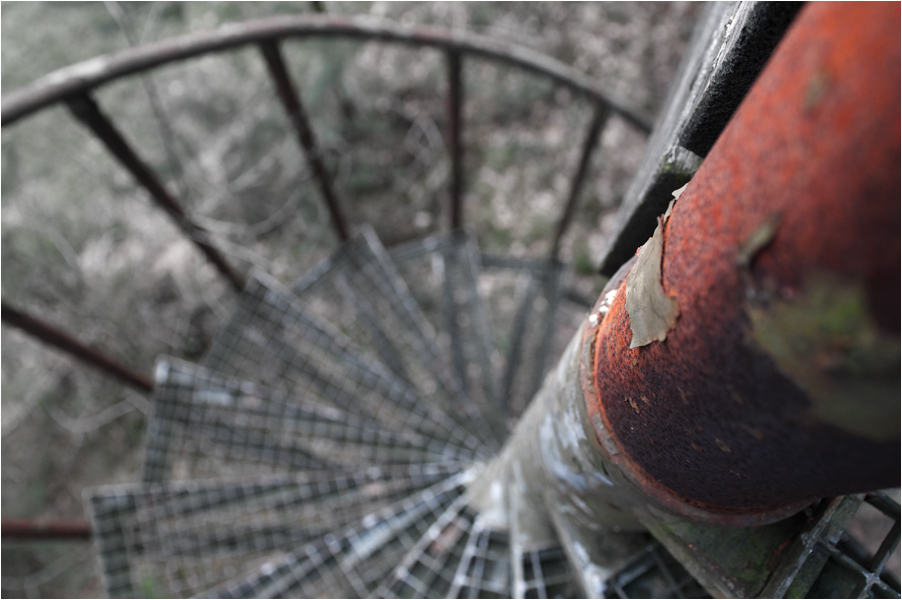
677, 193
651, 310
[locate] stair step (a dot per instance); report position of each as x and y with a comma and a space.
442, 272
484, 570
459, 557
429, 568
359, 289
273, 340
523, 295
544, 572
352, 563
204, 425
179, 539
653, 573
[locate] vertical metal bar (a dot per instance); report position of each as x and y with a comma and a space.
32, 530
86, 110
455, 147
59, 339
592, 136
298, 117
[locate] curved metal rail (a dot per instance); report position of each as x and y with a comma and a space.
73, 85
90, 74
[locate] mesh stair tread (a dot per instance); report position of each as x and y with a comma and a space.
443, 272
206, 425
181, 538
274, 340
352, 562
359, 288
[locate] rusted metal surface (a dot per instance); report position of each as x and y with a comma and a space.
455, 147
779, 382
59, 339
304, 131
730, 45
86, 110
592, 135
54, 530
84, 76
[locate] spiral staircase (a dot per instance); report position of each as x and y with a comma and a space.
325, 443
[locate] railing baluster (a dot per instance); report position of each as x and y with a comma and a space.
592, 136
55, 530
65, 342
455, 147
298, 117
86, 110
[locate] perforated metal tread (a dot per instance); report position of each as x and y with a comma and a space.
179, 539
273, 340
443, 274
204, 425
354, 562
527, 292
360, 290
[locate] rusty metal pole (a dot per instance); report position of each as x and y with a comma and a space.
54, 530
291, 101
65, 342
751, 359
746, 363
86, 110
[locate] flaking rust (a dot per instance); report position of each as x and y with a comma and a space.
652, 311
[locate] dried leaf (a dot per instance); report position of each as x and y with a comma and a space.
652, 312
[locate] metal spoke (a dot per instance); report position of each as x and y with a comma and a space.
455, 148
298, 116
592, 137
65, 342
86, 110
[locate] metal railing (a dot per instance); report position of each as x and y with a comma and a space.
75, 84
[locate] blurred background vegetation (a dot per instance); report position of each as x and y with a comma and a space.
83, 248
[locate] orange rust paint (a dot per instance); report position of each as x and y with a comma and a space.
817, 141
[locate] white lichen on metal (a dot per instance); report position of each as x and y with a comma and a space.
651, 310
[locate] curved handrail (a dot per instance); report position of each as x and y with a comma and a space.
84, 76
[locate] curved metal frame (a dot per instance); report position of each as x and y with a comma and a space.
87, 75
73, 85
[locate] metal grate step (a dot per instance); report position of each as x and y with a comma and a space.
204, 425
180, 539
353, 563
443, 274
273, 340
359, 289
523, 298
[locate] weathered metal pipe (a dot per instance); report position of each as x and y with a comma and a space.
767, 372
746, 363
55, 530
